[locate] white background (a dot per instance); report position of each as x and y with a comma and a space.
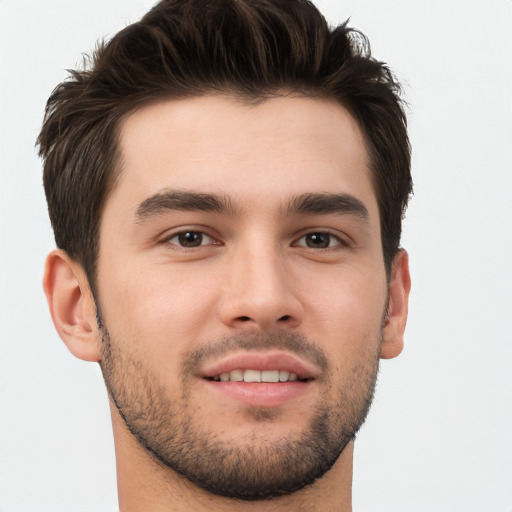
439, 437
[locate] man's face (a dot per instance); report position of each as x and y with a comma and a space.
242, 243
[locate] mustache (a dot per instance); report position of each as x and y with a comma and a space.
291, 342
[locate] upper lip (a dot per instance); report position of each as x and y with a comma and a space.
261, 360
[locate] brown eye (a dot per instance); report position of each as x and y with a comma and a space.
319, 240
190, 239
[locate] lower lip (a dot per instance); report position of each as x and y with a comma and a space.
260, 394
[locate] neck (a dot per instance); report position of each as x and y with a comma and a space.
144, 484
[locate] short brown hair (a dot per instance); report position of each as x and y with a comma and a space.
253, 49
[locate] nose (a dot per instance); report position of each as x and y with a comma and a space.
258, 292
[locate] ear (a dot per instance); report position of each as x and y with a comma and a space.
398, 301
72, 305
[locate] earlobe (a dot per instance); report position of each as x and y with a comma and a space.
71, 305
396, 318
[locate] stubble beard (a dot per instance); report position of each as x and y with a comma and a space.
169, 431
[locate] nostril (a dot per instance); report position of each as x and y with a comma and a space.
284, 318
244, 318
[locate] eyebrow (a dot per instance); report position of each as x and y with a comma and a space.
322, 204
183, 201
304, 204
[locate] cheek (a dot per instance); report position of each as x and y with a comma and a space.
347, 318
156, 312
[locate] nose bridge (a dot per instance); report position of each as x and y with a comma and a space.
263, 269
258, 291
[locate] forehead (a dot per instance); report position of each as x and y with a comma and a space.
217, 144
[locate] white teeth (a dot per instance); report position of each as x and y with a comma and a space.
256, 376
270, 376
252, 376
236, 376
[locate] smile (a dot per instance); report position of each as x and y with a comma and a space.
260, 378
256, 376
265, 366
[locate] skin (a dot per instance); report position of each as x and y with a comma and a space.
254, 273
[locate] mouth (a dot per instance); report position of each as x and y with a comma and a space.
270, 376
260, 379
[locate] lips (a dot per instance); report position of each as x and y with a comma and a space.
260, 379
254, 364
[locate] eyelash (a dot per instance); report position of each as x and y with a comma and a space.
168, 240
340, 242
